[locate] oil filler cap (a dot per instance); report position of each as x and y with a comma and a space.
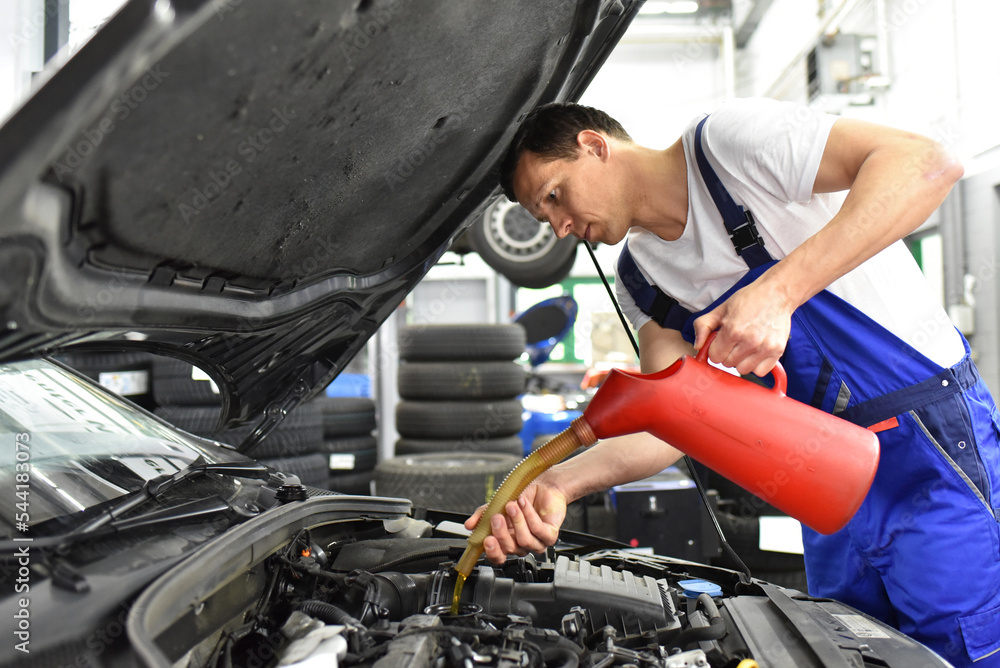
291, 491
693, 588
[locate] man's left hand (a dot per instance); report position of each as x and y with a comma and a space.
754, 325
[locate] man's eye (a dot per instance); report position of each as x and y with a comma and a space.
552, 196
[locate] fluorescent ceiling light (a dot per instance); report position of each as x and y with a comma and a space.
669, 7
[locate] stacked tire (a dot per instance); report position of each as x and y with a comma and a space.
456, 481
127, 374
459, 386
459, 416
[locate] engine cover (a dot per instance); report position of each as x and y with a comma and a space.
631, 604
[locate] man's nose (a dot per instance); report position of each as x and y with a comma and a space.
562, 226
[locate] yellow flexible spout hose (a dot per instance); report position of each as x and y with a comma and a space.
578, 434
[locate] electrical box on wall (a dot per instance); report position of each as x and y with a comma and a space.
842, 69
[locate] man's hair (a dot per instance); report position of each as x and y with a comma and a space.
550, 132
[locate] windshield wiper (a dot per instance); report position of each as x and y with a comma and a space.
189, 511
67, 577
111, 519
155, 487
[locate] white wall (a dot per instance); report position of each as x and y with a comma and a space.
786, 30
21, 25
978, 67
944, 65
655, 88
86, 16
924, 68
21, 33
946, 73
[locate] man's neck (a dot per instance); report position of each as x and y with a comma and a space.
660, 194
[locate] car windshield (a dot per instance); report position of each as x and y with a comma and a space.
68, 446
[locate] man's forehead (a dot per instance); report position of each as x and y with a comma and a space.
529, 177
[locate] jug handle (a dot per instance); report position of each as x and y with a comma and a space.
780, 378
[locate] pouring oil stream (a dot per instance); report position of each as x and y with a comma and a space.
578, 434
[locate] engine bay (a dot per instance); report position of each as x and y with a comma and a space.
386, 602
353, 581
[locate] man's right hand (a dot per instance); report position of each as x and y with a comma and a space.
529, 524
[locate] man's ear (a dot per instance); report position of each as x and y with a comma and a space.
591, 141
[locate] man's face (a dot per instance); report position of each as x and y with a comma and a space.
574, 196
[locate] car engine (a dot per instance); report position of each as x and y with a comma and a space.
350, 581
373, 603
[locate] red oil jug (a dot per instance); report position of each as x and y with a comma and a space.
812, 465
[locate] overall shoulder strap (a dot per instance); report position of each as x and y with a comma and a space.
658, 305
739, 222
740, 225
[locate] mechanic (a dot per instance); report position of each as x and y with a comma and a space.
816, 275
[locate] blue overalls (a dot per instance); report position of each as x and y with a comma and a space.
923, 552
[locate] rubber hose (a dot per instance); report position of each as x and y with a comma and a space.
327, 612
568, 658
400, 587
715, 630
426, 554
576, 435
561, 642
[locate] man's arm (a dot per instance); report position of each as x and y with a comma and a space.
532, 522
896, 180
623, 459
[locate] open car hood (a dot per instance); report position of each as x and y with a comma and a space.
254, 186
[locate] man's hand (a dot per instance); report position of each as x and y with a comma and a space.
530, 524
754, 325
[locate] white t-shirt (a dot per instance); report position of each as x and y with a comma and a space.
767, 154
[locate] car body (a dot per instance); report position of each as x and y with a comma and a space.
253, 187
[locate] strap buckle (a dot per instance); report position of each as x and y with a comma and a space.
661, 306
745, 236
